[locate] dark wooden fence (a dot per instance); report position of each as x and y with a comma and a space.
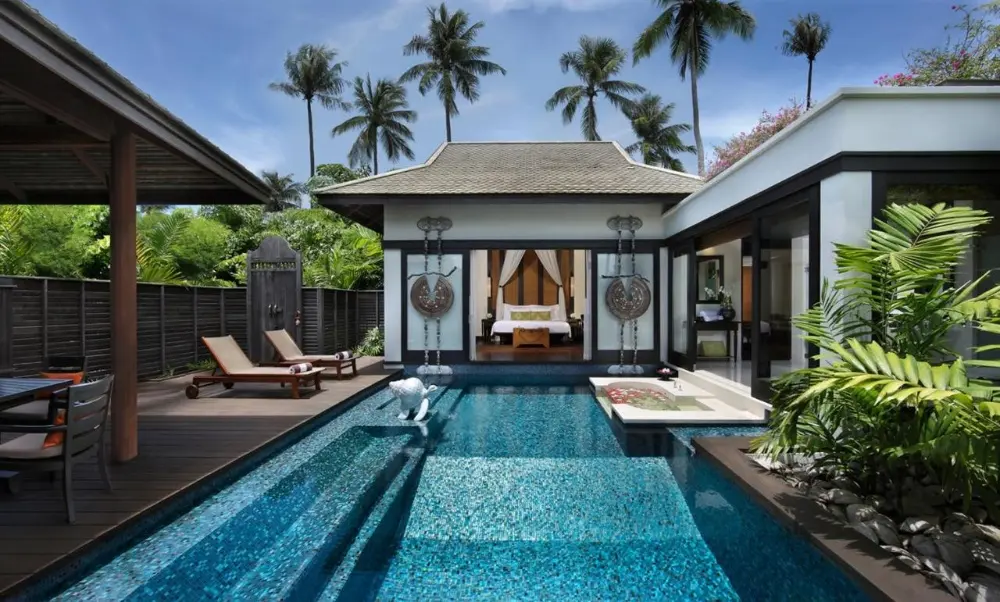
73, 317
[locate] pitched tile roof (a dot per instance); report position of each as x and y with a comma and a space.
514, 168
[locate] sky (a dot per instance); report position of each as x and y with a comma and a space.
210, 62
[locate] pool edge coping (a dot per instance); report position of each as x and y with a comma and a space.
877, 572
211, 482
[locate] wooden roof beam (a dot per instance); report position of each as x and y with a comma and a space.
86, 161
45, 137
10, 187
145, 196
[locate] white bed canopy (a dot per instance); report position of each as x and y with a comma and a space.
549, 261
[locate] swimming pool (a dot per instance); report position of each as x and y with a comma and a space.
514, 489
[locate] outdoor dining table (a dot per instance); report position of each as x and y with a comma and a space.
18, 391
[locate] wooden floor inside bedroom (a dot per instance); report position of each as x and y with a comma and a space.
564, 352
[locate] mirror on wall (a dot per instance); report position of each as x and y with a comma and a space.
710, 278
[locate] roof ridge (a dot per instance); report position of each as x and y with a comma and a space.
624, 153
386, 173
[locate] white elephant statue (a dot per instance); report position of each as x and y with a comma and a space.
411, 393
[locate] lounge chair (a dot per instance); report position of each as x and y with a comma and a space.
56, 447
233, 366
287, 353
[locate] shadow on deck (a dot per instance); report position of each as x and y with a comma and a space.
181, 441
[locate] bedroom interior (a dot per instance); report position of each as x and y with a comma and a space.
529, 305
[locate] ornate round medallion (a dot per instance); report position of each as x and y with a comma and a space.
432, 303
628, 301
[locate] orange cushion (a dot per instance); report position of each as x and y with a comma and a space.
76, 377
54, 439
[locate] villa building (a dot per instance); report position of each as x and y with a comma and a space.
518, 228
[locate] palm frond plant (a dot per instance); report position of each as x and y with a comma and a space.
659, 141
283, 191
890, 396
313, 74
15, 250
155, 240
596, 63
807, 37
690, 26
454, 61
373, 344
383, 115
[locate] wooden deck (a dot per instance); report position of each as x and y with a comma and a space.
180, 441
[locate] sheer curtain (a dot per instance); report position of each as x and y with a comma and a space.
510, 262
550, 262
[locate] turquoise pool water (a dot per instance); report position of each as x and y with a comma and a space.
513, 491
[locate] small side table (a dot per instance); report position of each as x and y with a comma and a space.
486, 328
576, 330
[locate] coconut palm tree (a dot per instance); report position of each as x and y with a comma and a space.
314, 74
383, 115
807, 38
690, 26
659, 140
283, 191
454, 63
595, 63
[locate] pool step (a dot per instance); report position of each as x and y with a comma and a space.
554, 529
293, 565
360, 573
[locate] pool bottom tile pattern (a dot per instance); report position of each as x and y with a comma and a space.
552, 529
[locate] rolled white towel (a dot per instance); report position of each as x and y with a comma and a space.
300, 368
343, 355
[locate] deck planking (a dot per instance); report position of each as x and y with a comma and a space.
180, 442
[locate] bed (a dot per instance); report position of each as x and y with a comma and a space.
505, 325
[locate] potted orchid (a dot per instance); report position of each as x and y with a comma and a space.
725, 300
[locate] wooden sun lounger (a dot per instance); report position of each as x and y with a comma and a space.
233, 366
287, 353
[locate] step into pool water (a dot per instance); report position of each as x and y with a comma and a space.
514, 491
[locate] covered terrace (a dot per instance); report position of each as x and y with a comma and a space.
73, 131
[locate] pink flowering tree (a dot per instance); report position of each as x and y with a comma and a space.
744, 143
973, 52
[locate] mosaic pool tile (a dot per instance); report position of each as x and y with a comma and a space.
351, 569
685, 434
527, 421
552, 528
514, 489
548, 499
554, 571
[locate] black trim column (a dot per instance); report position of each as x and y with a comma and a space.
757, 366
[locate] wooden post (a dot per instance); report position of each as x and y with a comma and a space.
124, 312
163, 329
83, 318
45, 323
194, 309
320, 326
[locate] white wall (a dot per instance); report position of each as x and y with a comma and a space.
451, 322
477, 220
844, 216
800, 296
579, 283
608, 330
392, 268
854, 119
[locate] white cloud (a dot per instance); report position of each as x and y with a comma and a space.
497, 6
257, 148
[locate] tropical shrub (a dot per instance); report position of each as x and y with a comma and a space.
973, 54
891, 398
373, 344
744, 143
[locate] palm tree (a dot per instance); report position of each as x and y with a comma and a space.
659, 139
807, 38
383, 118
595, 63
283, 191
690, 26
314, 74
455, 62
